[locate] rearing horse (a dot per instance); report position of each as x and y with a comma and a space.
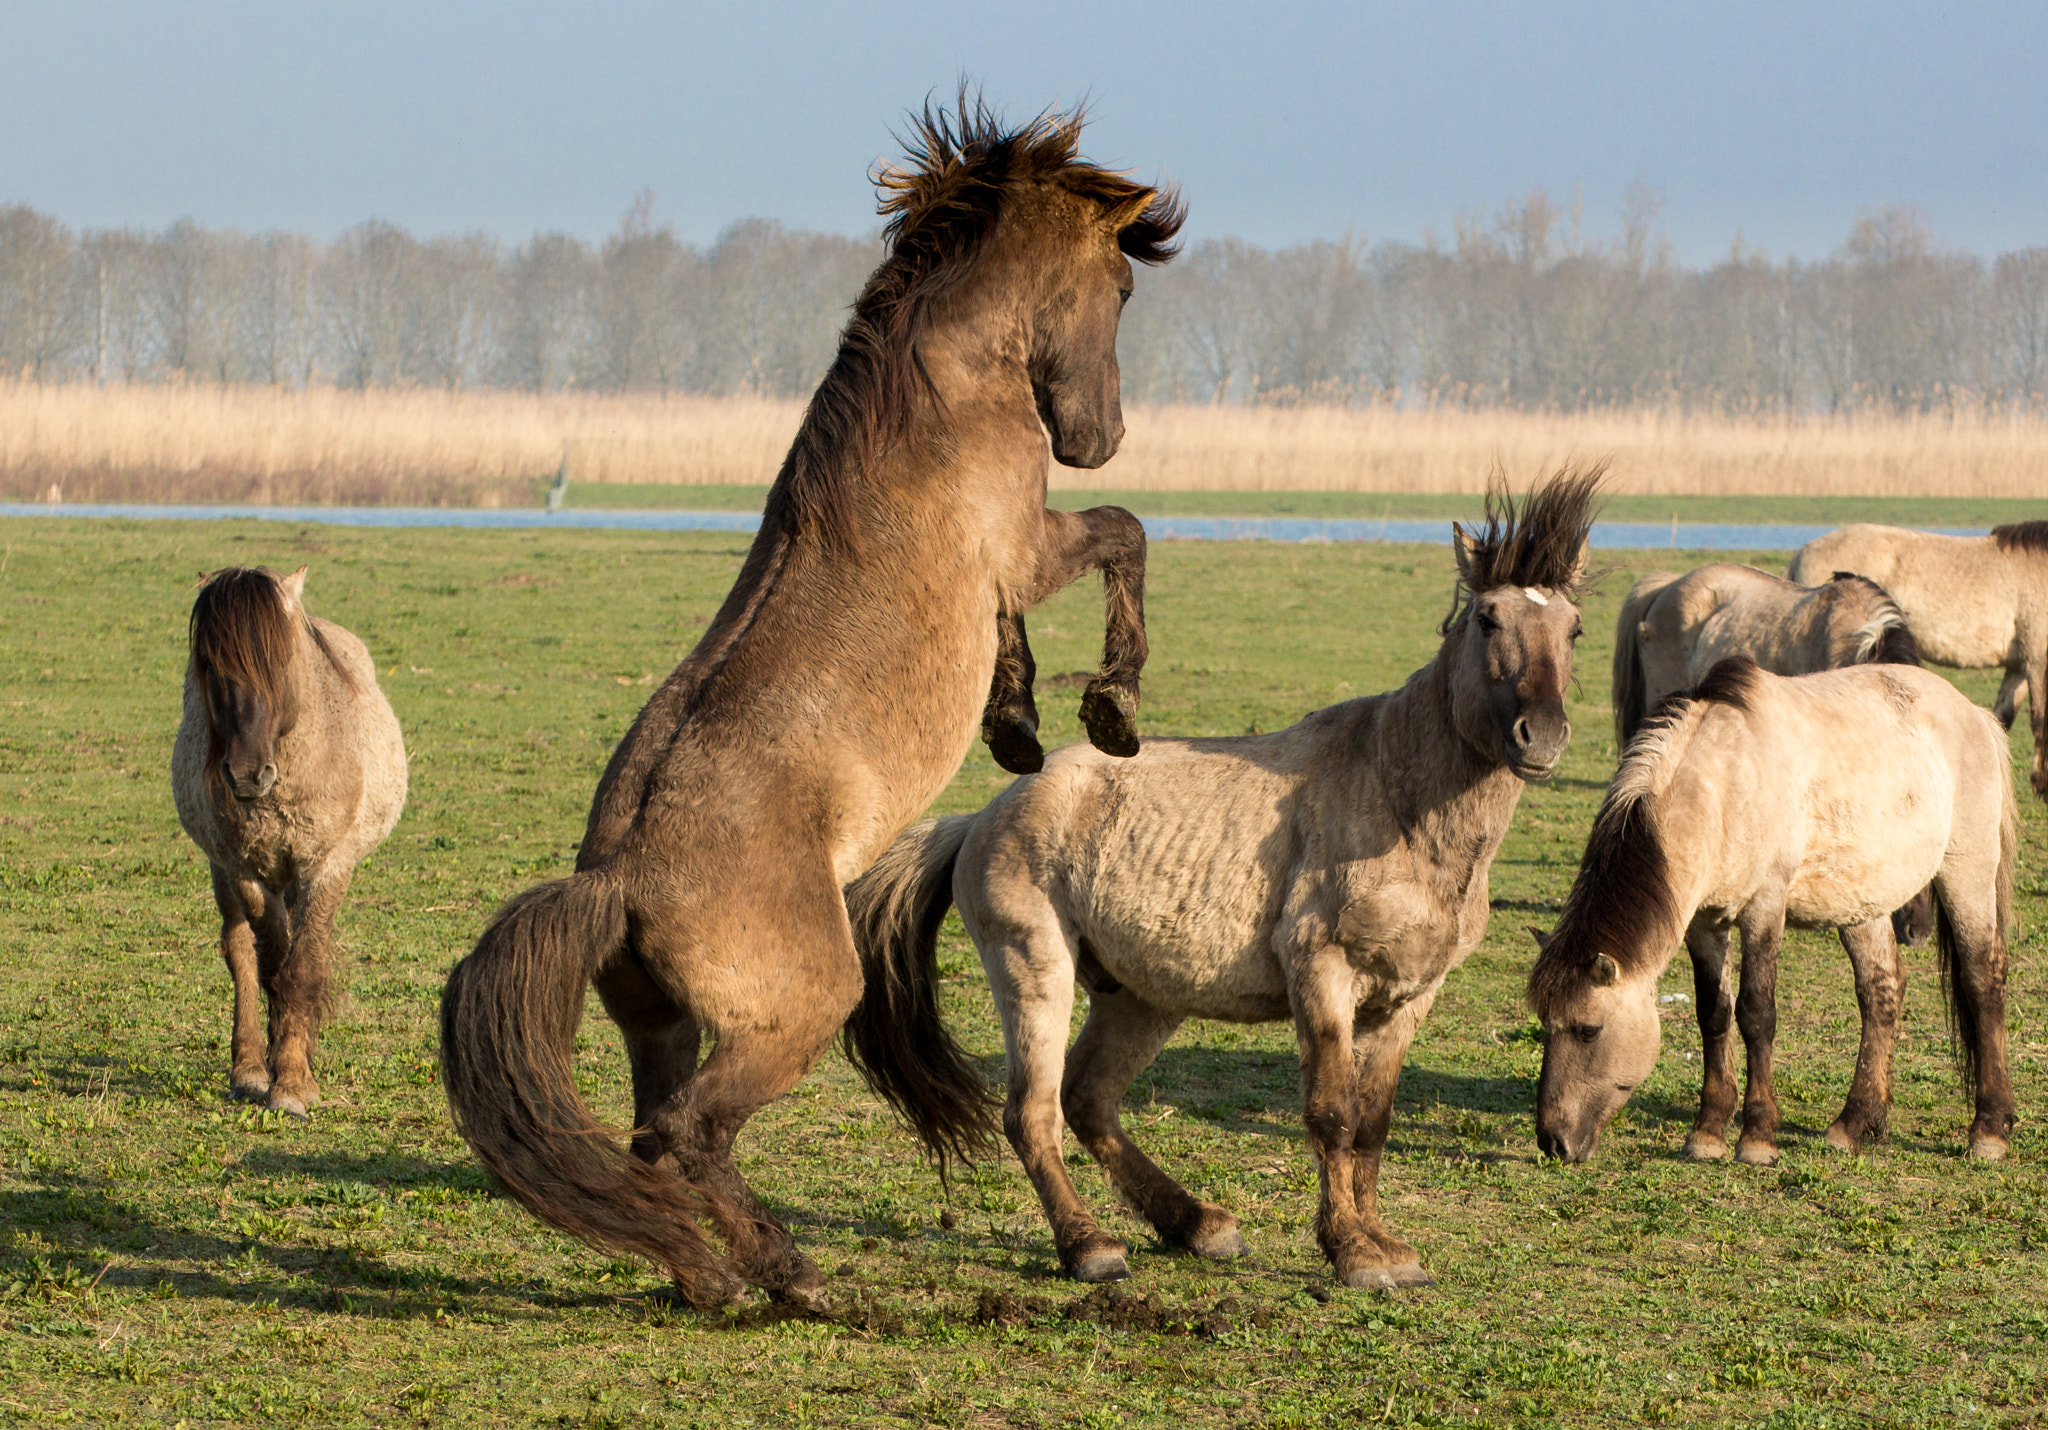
832, 698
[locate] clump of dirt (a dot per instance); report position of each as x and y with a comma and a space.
1114, 1308
1000, 1308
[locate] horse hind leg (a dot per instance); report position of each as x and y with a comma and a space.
248, 1076
1756, 1014
1121, 1038
1880, 991
662, 1045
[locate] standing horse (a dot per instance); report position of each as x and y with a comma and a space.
288, 768
1333, 873
833, 696
1674, 629
1758, 801
1973, 602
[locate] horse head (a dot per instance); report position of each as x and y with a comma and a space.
1510, 637
245, 644
1601, 1034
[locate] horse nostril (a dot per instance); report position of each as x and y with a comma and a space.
1550, 1144
1522, 733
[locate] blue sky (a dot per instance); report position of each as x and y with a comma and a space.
1281, 122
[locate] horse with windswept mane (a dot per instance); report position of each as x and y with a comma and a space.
288, 768
1333, 873
1973, 602
1756, 801
831, 699
1674, 629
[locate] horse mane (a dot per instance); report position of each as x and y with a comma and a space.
1541, 544
942, 206
243, 631
2021, 536
1884, 638
1622, 903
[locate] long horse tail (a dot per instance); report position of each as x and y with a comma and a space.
1631, 703
508, 1026
895, 1036
1962, 995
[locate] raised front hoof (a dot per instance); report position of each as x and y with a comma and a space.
1984, 1147
1756, 1154
1111, 714
1099, 1263
1706, 1147
1014, 746
1223, 1243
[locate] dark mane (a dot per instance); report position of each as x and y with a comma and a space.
2021, 536
1896, 643
1540, 545
942, 207
242, 632
1622, 903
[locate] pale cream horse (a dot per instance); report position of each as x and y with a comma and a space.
288, 768
1756, 802
1674, 629
1972, 601
1332, 873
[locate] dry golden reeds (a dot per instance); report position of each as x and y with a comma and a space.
208, 443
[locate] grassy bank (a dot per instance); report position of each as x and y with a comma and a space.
166, 1255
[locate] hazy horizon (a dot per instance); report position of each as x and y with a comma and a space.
1323, 120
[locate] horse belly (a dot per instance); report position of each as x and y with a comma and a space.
1863, 861
1199, 976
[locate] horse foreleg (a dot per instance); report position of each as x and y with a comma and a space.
1323, 988
1380, 1052
1714, 997
1756, 1014
2006, 706
1009, 724
1122, 1036
1110, 538
1880, 989
248, 1077
298, 988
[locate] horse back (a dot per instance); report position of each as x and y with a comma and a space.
1969, 602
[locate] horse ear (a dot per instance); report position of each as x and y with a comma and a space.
295, 585
1123, 215
1466, 548
1606, 972
1542, 938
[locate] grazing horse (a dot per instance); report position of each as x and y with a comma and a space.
1757, 801
1332, 873
1973, 602
835, 693
1674, 629
288, 768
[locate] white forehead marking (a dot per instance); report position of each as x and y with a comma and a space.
1535, 595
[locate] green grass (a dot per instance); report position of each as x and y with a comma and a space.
167, 1257
1417, 506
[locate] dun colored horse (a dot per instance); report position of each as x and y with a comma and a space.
1973, 601
1758, 801
288, 768
832, 698
1674, 629
1332, 873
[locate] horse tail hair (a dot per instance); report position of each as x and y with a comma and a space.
1960, 994
1631, 701
508, 1027
895, 1036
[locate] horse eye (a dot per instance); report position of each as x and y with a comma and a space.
1578, 631
1123, 295
1587, 1032
1488, 623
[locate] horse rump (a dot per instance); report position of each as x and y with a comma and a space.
508, 1025
895, 1036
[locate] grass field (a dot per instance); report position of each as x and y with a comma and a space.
201, 442
168, 1257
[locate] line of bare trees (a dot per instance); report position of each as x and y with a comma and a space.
1519, 308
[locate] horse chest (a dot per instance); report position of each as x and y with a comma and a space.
1401, 939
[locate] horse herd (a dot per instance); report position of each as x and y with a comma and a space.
751, 876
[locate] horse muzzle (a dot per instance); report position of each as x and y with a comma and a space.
1553, 1142
1536, 742
251, 786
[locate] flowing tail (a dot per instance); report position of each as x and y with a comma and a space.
1963, 996
895, 1037
1631, 704
508, 1026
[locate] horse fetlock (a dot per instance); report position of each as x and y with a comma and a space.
1111, 714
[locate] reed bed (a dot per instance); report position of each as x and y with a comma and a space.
256, 444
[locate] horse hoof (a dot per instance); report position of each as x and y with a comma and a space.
289, 1105
1988, 1149
805, 1297
1224, 1244
1015, 747
1756, 1154
1704, 1148
1366, 1278
1111, 715
1104, 1265
711, 1292
249, 1088
1409, 1275
1839, 1140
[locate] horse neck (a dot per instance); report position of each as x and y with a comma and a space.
1453, 802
